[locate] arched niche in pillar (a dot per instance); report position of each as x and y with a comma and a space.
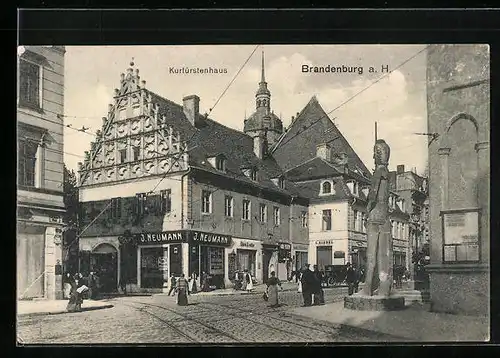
459, 161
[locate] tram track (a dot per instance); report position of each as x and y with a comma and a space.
209, 329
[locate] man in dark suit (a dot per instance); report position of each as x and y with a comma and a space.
307, 281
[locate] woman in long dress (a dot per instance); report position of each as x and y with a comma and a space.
272, 289
75, 297
182, 291
248, 279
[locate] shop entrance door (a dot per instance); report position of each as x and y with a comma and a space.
176, 259
323, 256
104, 261
152, 267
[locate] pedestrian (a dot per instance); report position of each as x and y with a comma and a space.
299, 278
307, 281
194, 286
91, 284
319, 298
68, 283
350, 279
76, 295
182, 291
172, 284
272, 290
249, 281
357, 278
205, 287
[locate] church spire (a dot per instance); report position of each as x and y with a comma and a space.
263, 77
263, 95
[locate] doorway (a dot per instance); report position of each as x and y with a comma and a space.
323, 256
266, 259
104, 262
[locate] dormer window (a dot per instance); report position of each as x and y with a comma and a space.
220, 163
279, 182
353, 187
250, 173
253, 174
326, 187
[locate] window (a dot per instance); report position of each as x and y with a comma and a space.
115, 209
327, 220
326, 187
246, 210
137, 151
276, 215
393, 228
166, 201
263, 213
141, 203
355, 220
303, 219
206, 202
228, 206
363, 222
220, 163
355, 188
29, 84
123, 155
27, 162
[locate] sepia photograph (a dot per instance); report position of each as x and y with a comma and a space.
254, 193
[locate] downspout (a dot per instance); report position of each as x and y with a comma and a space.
182, 196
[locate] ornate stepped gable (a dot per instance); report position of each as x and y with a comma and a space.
135, 131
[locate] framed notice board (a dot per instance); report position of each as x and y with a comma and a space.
461, 236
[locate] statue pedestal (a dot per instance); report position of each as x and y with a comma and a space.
374, 303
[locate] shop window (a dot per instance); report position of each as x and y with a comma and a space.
303, 219
276, 216
166, 201
27, 162
263, 213
154, 261
327, 220
30, 88
206, 202
228, 206
246, 209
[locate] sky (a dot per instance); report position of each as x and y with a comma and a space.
397, 102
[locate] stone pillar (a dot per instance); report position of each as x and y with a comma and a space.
53, 255
444, 154
166, 273
138, 268
483, 191
185, 258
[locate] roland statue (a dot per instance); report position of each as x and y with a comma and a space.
378, 279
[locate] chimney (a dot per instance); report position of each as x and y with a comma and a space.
260, 145
400, 169
324, 151
191, 107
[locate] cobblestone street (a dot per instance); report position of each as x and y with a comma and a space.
207, 319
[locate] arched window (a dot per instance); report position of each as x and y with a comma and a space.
326, 187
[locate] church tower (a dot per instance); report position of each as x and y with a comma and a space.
263, 122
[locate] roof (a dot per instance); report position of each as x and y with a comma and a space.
213, 138
311, 128
311, 190
254, 122
312, 169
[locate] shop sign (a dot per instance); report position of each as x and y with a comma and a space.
210, 239
163, 263
324, 242
247, 244
165, 237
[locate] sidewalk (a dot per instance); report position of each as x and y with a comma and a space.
46, 307
258, 289
411, 324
